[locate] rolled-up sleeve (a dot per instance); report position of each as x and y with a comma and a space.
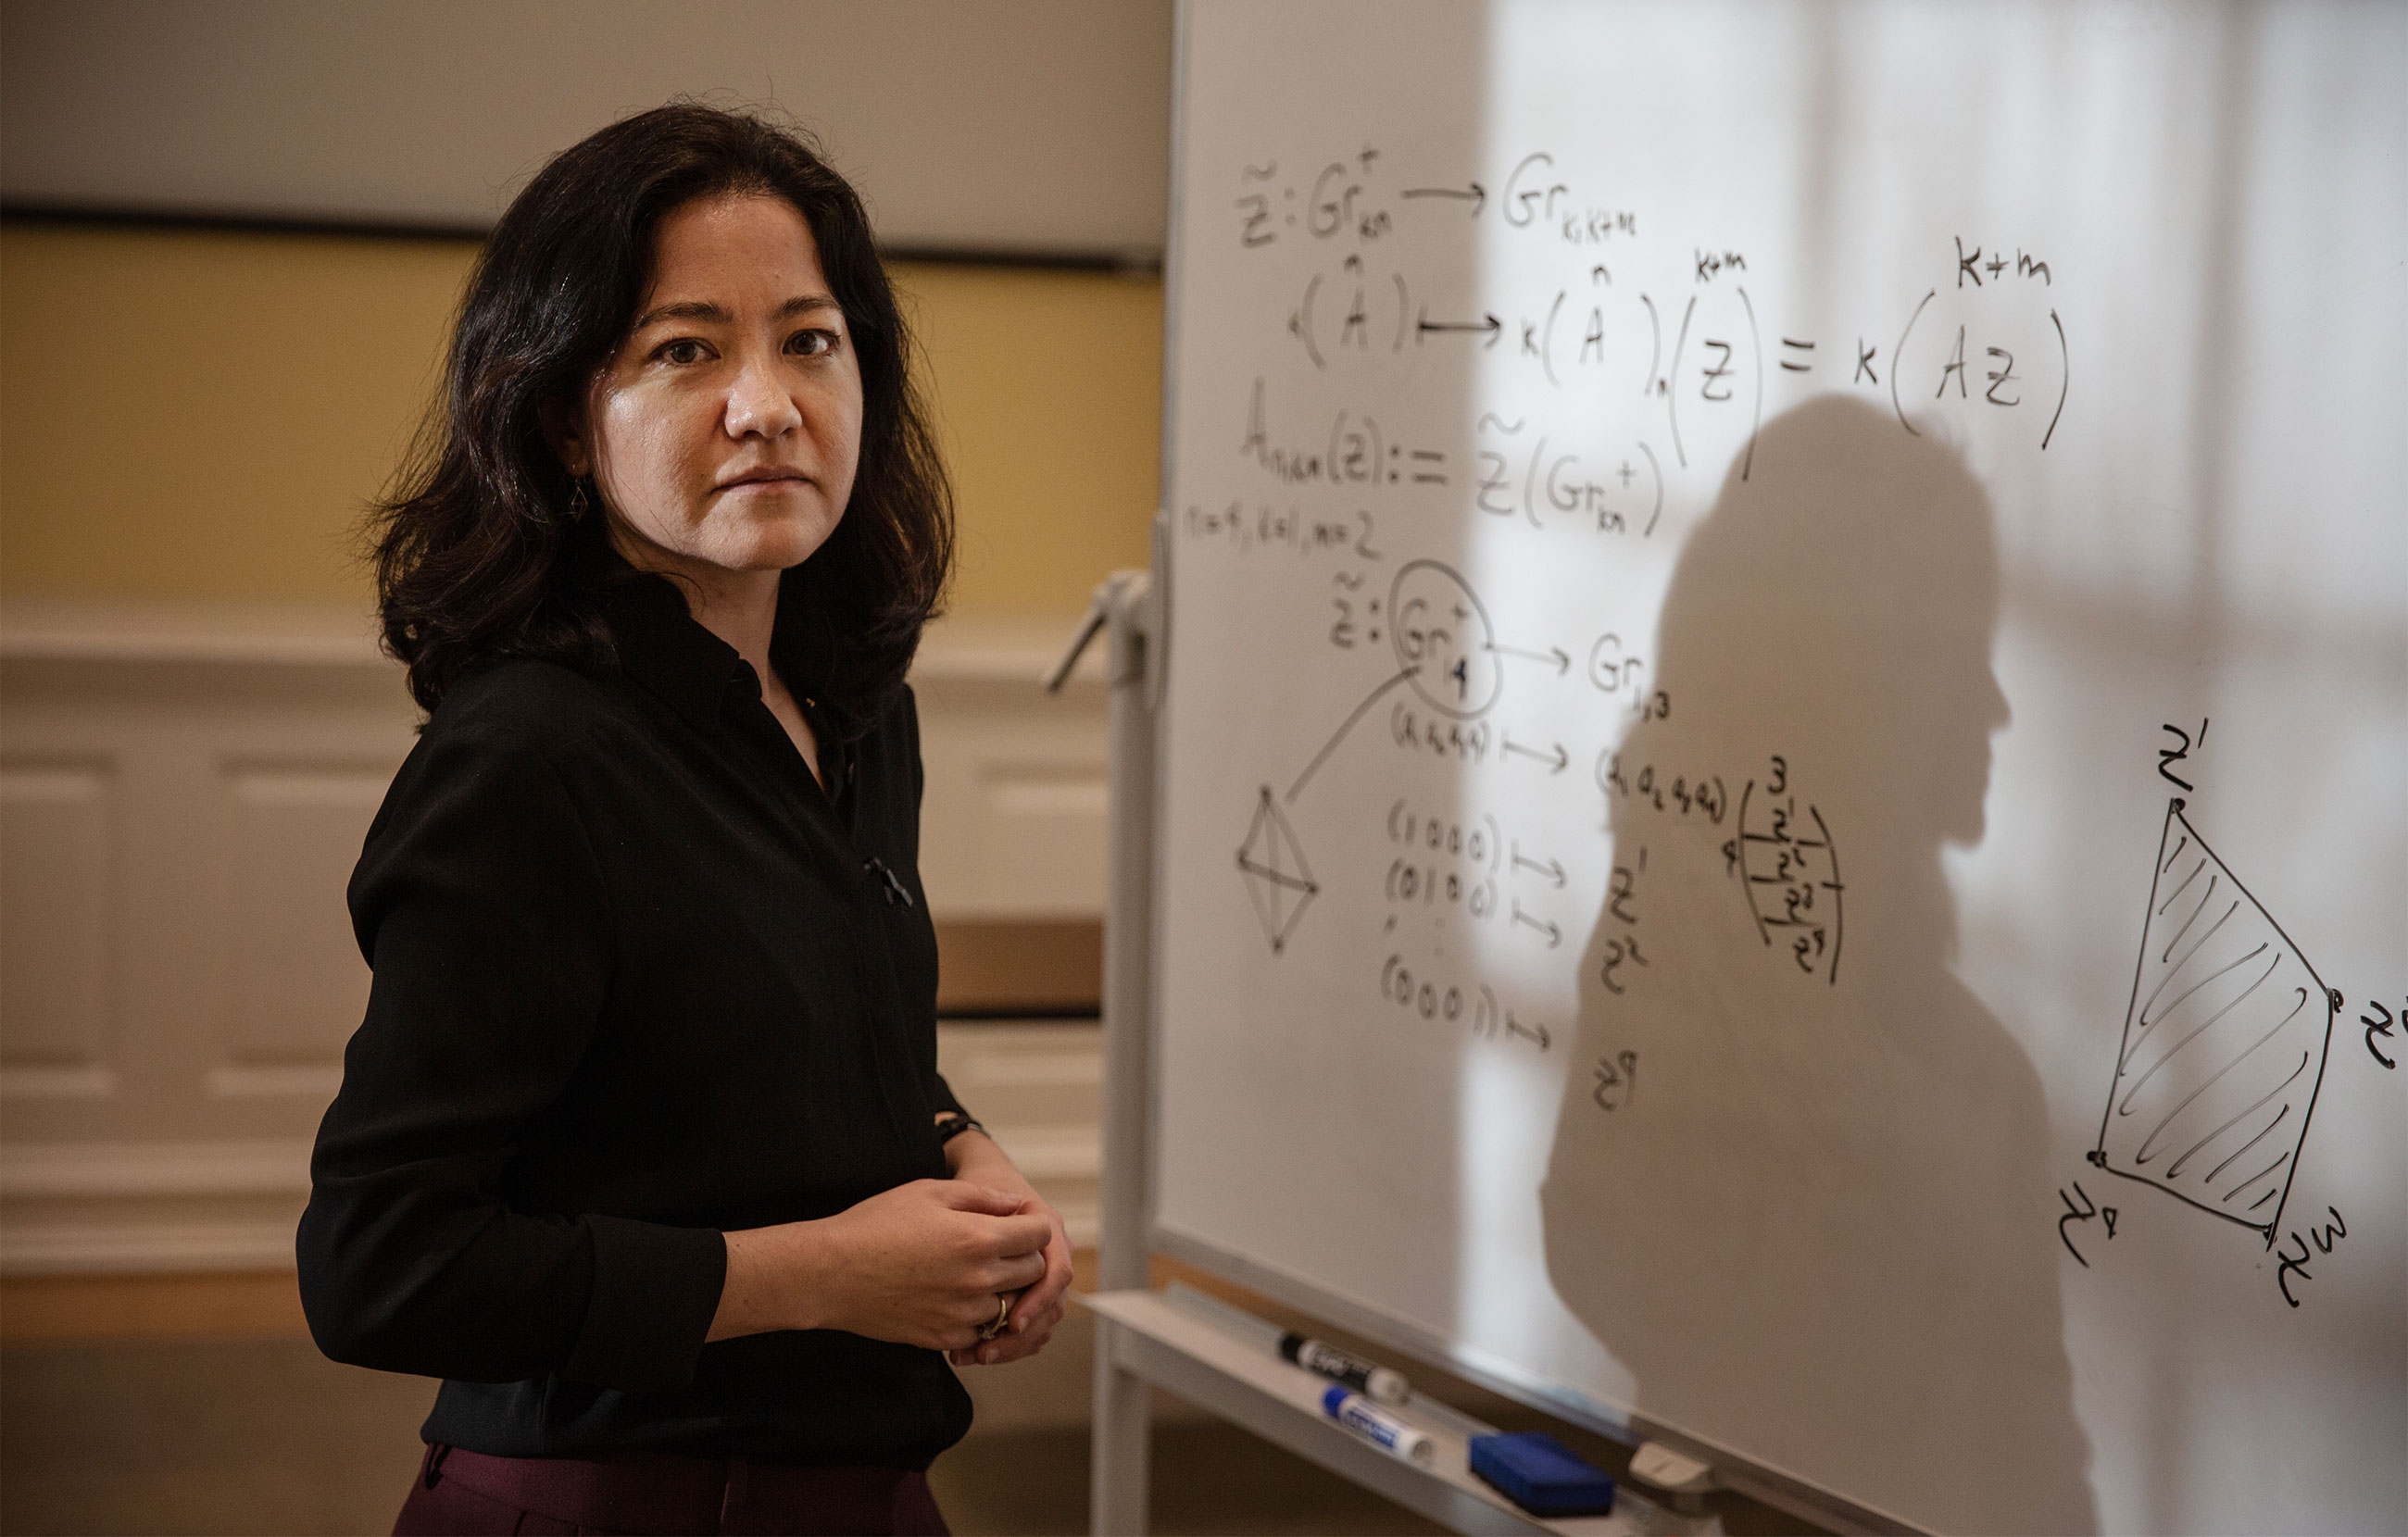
480, 908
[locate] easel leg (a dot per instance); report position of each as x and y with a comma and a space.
1122, 1451
1122, 1458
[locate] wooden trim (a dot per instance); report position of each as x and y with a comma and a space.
1136, 261
258, 1304
1003, 969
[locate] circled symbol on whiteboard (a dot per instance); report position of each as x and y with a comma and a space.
1442, 638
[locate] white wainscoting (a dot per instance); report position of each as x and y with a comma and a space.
1038, 1089
183, 791
1012, 827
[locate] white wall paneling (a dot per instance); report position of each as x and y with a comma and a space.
1037, 1089
54, 821
183, 792
84, 1207
1013, 822
298, 982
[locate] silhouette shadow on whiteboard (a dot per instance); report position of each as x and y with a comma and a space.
1799, 1184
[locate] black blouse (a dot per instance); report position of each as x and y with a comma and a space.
637, 981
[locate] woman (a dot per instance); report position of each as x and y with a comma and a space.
641, 1145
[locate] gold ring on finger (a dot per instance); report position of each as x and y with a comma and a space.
1002, 1315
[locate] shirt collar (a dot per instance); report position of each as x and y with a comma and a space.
668, 655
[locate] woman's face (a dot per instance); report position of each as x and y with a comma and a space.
724, 433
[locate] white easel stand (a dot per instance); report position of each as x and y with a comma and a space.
1124, 608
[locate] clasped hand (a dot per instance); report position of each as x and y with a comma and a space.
924, 1263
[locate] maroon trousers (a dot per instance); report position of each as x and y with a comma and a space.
651, 1492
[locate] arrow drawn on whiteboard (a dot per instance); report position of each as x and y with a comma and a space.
1553, 869
1488, 323
1555, 935
1555, 762
1474, 193
1339, 735
1555, 654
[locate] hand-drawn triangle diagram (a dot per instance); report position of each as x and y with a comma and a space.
1277, 877
2224, 1044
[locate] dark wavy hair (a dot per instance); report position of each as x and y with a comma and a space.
478, 555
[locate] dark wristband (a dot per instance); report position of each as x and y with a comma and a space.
949, 1127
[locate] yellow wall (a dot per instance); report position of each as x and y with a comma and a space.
204, 415
1048, 387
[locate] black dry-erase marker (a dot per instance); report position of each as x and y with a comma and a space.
1329, 1362
1321, 1359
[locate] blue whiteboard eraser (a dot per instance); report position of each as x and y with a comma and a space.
1537, 1472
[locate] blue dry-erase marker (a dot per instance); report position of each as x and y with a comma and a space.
1378, 1427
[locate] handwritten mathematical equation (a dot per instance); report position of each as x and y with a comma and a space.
1474, 868
1779, 853
1787, 866
1621, 497
1618, 923
1245, 529
1706, 349
1345, 201
1703, 353
1476, 1007
1593, 360
1350, 456
1515, 473
1453, 671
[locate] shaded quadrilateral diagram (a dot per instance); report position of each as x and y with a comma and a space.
2224, 1043
1276, 875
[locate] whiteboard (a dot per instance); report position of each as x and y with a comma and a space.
1785, 725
